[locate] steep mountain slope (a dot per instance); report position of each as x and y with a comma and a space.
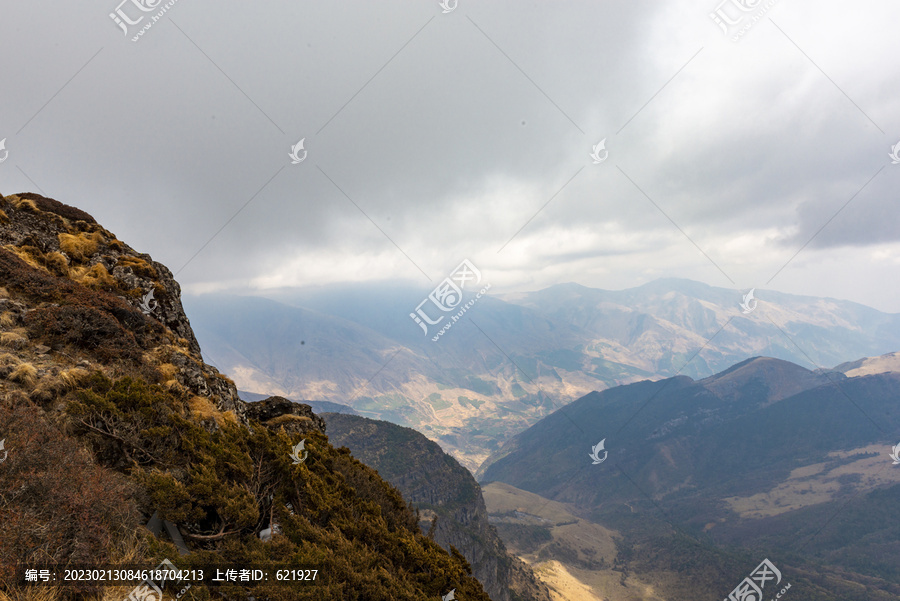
446, 495
762, 456
108, 415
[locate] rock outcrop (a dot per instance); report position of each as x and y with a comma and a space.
451, 507
95, 301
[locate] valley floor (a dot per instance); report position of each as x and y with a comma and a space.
543, 532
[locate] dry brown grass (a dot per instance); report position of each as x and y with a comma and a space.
4, 293
15, 339
288, 419
23, 204
25, 374
3, 217
51, 386
8, 319
74, 377
56, 262
222, 376
26, 256
46, 390
95, 276
203, 408
80, 246
138, 266
176, 387
34, 593
53, 262
168, 371
63, 496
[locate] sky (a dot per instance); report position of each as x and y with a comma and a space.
752, 152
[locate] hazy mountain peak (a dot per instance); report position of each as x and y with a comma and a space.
871, 365
780, 378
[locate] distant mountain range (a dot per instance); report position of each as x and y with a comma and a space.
513, 359
765, 455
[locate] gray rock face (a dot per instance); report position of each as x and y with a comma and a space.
272, 408
442, 490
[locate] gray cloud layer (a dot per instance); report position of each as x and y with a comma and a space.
436, 137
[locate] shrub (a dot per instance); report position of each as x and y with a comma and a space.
54, 206
223, 485
58, 505
87, 328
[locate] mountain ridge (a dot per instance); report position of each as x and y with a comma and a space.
750, 458
518, 357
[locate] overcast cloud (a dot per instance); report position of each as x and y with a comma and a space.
434, 137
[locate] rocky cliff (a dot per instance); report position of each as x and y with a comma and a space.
108, 416
97, 301
451, 507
